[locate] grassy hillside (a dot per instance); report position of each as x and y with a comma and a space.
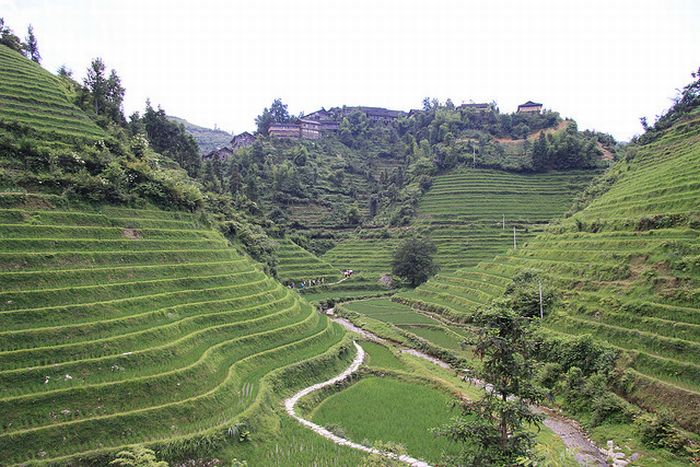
625, 269
463, 213
123, 326
33, 97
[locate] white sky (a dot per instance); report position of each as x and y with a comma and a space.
604, 63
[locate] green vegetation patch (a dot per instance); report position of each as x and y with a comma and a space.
387, 409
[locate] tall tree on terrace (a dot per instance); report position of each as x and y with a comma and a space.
32, 46
115, 98
96, 84
494, 429
540, 153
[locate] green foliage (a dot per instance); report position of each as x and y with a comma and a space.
493, 430
138, 457
9, 39
658, 431
171, 139
523, 294
32, 45
413, 260
277, 113
104, 94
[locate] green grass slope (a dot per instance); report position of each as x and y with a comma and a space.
464, 211
463, 214
121, 326
31, 96
626, 268
297, 264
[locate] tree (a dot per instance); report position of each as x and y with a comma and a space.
277, 113
494, 429
171, 139
105, 93
526, 291
540, 153
96, 84
64, 72
114, 98
413, 260
138, 457
32, 47
9, 39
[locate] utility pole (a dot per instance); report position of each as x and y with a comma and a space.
515, 243
541, 306
473, 155
504, 222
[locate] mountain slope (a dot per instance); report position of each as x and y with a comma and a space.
626, 269
463, 213
123, 326
33, 97
207, 139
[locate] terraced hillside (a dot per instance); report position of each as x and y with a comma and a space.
32, 96
122, 326
626, 268
464, 212
297, 264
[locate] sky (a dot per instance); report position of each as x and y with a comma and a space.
603, 63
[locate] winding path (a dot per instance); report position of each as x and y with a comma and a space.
569, 431
292, 401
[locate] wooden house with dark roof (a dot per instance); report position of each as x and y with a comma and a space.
380, 114
242, 140
326, 119
302, 128
221, 153
480, 107
529, 106
309, 129
284, 130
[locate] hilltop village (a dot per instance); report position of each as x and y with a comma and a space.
315, 124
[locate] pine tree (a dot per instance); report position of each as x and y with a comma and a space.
96, 84
540, 153
31, 46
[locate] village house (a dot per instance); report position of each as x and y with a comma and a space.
221, 153
380, 114
242, 140
529, 106
284, 130
479, 107
327, 120
302, 128
309, 129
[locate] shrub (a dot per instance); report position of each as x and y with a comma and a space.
659, 432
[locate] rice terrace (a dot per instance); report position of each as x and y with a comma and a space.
505, 275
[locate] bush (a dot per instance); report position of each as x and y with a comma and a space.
659, 432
